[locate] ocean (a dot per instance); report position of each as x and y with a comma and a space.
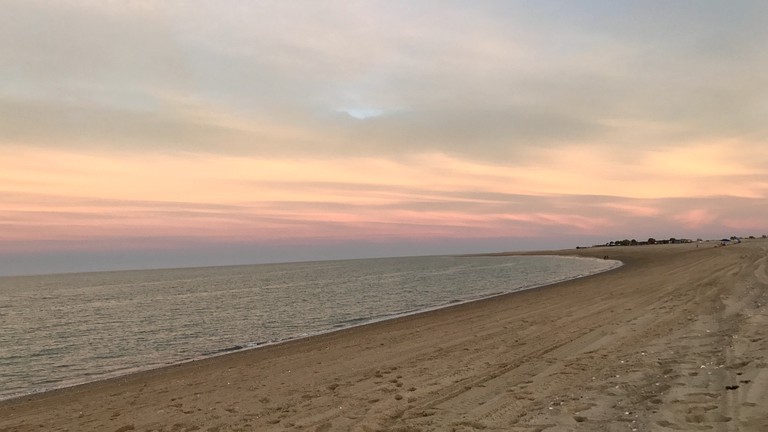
66, 329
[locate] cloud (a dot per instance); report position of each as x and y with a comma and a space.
179, 122
696, 218
483, 81
65, 199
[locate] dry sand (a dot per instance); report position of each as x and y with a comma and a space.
673, 340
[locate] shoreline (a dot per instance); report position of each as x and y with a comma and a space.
117, 375
623, 347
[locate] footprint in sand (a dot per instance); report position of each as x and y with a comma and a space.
670, 425
707, 418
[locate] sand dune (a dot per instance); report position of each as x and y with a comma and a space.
674, 340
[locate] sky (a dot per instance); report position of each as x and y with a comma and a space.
139, 134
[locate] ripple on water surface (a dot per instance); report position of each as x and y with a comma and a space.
66, 329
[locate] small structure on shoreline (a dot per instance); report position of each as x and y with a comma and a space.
672, 240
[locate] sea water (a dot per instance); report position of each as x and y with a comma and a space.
65, 329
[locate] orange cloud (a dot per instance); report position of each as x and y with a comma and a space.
634, 209
65, 196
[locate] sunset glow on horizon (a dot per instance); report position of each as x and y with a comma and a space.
269, 131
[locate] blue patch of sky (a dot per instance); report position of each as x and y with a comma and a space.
363, 113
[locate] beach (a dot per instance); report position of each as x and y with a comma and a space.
673, 340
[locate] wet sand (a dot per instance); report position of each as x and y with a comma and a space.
676, 339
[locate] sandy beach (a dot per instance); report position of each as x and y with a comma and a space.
676, 339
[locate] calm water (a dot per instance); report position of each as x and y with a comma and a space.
59, 330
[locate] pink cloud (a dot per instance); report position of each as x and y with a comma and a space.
696, 218
751, 223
